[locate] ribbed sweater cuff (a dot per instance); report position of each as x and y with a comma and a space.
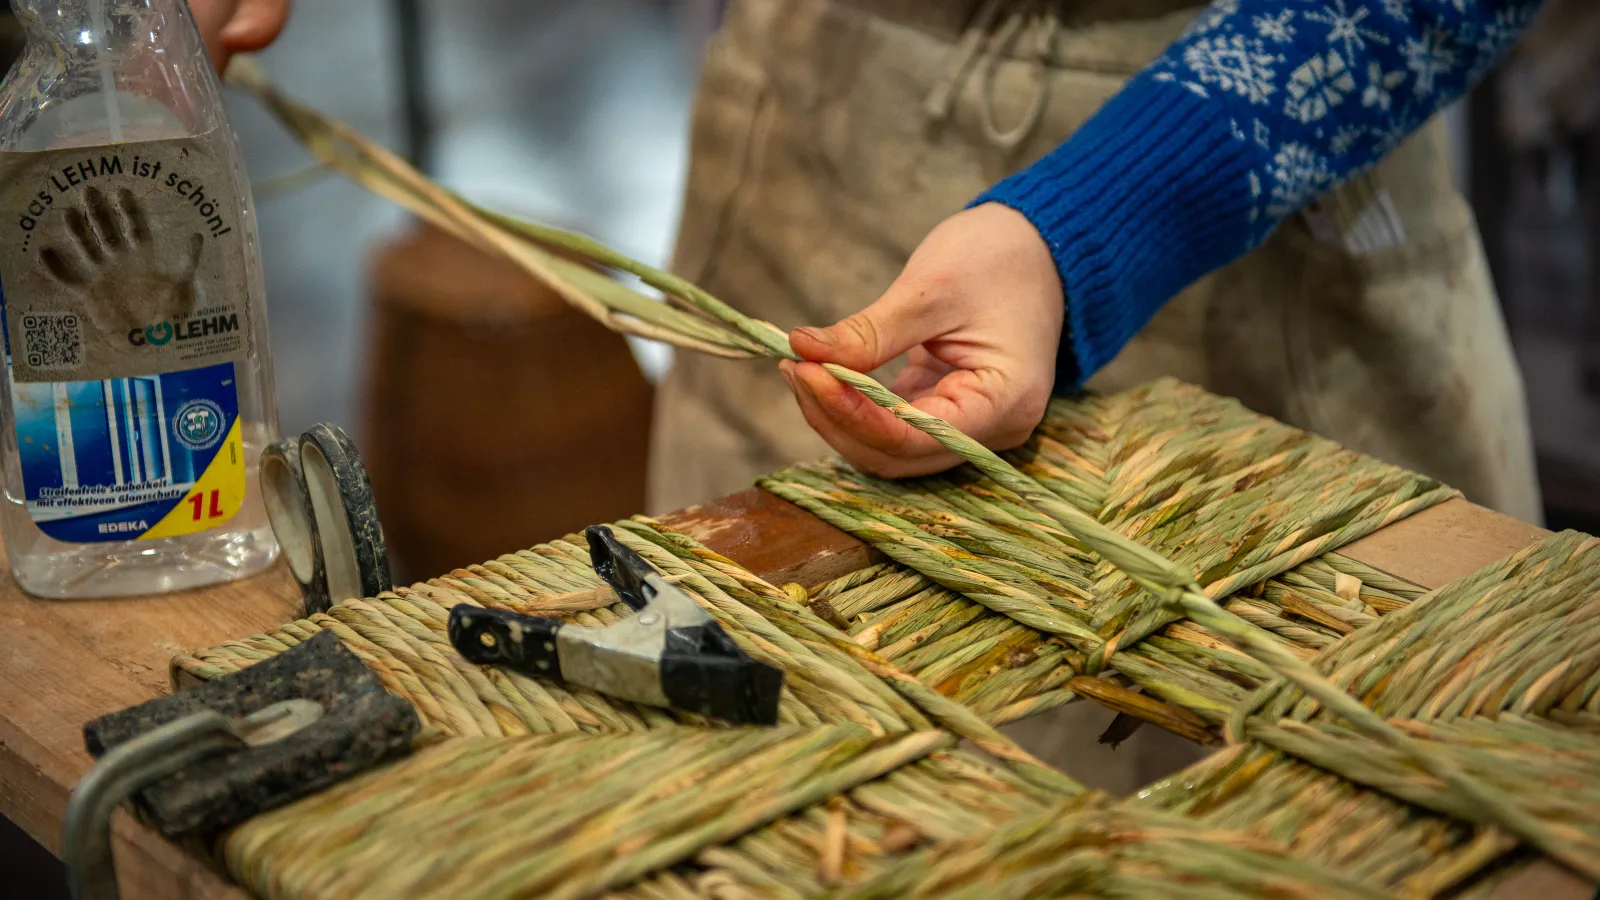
1148, 196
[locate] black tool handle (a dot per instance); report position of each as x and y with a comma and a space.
495, 637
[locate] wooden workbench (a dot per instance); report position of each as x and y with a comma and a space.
63, 663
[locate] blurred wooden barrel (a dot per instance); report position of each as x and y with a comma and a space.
495, 416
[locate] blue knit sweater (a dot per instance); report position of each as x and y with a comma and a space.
1258, 108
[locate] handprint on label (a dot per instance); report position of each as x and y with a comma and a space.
117, 272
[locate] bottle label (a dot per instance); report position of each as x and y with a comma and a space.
124, 313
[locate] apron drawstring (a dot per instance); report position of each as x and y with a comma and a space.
942, 97
986, 45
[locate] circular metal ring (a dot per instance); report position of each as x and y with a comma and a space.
354, 554
283, 490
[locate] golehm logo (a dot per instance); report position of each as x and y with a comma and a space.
199, 424
165, 332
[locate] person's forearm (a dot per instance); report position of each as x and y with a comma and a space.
1261, 106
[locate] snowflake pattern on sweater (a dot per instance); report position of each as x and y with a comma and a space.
1261, 106
1326, 88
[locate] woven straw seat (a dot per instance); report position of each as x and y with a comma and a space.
886, 776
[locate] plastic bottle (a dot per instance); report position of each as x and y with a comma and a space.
140, 382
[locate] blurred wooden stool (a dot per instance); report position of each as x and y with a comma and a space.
496, 417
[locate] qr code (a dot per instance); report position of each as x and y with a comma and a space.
52, 340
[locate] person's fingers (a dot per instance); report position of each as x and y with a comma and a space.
837, 435
211, 16
853, 451
996, 411
1000, 413
820, 413
885, 445
864, 420
254, 25
904, 317
921, 375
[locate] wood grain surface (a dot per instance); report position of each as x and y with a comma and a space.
64, 662
773, 538
1439, 545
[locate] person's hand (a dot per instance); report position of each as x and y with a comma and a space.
979, 307
238, 26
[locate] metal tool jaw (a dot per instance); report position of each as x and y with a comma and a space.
671, 654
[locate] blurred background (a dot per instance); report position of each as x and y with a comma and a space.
1531, 160
569, 112
455, 373
493, 418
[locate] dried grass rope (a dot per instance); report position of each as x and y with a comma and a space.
1231, 494
403, 636
513, 769
642, 807
1499, 670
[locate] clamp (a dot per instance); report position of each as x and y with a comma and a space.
670, 654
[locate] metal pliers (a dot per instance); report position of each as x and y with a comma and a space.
671, 654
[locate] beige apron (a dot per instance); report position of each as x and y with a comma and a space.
830, 135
